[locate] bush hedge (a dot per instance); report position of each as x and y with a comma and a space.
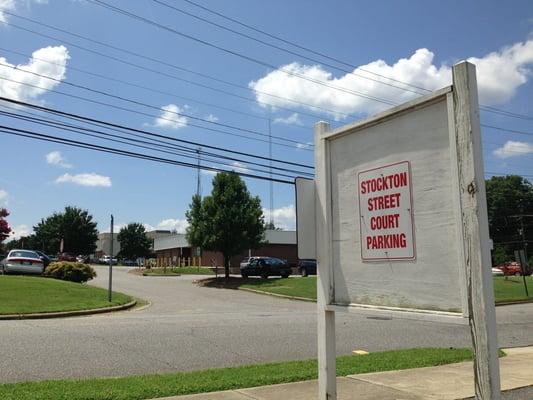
70, 271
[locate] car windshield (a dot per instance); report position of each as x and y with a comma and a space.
23, 253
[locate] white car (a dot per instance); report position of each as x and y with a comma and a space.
497, 272
22, 261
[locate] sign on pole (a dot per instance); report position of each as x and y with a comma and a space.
401, 222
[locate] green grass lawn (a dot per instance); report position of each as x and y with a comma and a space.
32, 294
153, 386
178, 271
512, 288
505, 290
298, 287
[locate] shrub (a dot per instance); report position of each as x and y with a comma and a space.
70, 271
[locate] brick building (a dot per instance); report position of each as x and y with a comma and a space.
280, 244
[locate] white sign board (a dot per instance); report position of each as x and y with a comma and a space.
385, 211
412, 172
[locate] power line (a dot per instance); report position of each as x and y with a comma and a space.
280, 48
105, 149
114, 125
507, 130
237, 54
139, 143
145, 114
140, 103
314, 107
173, 95
323, 109
321, 54
300, 46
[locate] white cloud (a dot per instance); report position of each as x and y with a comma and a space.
87, 179
20, 230
49, 61
239, 167
55, 158
11, 5
211, 118
3, 198
284, 217
302, 146
178, 225
514, 149
170, 117
293, 119
499, 76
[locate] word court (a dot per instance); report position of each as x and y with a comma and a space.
386, 215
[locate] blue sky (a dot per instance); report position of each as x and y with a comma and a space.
414, 42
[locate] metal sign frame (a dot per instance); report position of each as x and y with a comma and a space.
471, 221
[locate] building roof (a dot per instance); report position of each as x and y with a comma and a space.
178, 240
170, 242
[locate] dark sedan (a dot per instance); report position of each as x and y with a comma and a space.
265, 267
307, 267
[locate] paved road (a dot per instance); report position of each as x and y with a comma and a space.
189, 327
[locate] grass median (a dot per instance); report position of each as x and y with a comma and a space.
153, 386
32, 294
511, 289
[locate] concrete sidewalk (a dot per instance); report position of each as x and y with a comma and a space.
447, 382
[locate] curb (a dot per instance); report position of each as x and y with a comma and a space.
62, 314
510, 303
160, 276
284, 296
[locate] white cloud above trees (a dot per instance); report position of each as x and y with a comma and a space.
500, 74
49, 61
513, 148
170, 117
85, 179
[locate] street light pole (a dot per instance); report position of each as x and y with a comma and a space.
109, 296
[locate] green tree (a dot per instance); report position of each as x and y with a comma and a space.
230, 220
510, 205
133, 241
74, 225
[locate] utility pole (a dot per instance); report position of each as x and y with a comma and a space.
198, 179
270, 174
109, 295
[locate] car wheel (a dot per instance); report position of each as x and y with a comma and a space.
285, 276
244, 275
303, 272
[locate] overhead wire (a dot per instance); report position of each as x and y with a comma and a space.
145, 132
177, 150
237, 54
75, 143
301, 145
314, 107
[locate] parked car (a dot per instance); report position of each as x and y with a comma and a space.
513, 268
265, 267
106, 259
82, 259
497, 272
44, 257
22, 261
67, 257
246, 261
128, 263
307, 267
